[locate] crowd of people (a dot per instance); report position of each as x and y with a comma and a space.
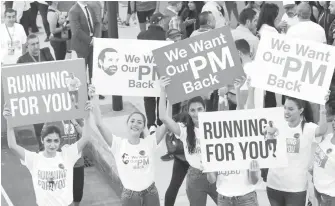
60, 182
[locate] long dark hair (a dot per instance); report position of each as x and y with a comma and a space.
191, 139
51, 129
268, 15
307, 113
144, 121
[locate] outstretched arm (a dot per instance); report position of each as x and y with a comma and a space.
11, 139
323, 126
163, 116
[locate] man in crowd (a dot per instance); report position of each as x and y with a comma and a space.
247, 29
35, 54
289, 18
154, 32
84, 26
144, 9
13, 39
315, 32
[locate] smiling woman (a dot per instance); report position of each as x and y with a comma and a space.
134, 157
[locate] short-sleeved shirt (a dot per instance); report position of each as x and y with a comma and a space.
73, 84
69, 135
241, 32
294, 177
135, 163
193, 159
53, 177
315, 32
12, 40
324, 167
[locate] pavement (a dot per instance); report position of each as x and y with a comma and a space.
16, 180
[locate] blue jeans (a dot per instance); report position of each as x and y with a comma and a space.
198, 187
147, 197
249, 199
323, 199
281, 198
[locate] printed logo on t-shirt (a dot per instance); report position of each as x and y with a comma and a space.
139, 161
320, 157
51, 180
293, 144
125, 158
229, 172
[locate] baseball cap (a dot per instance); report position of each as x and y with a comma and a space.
173, 33
157, 17
288, 3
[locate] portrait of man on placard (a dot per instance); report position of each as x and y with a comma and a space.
107, 61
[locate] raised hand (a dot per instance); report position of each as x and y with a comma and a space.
91, 91
254, 167
327, 96
223, 91
6, 111
164, 81
238, 83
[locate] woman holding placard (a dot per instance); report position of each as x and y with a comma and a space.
324, 164
51, 170
134, 157
237, 187
288, 186
198, 186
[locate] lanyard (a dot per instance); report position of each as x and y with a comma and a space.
10, 36
39, 58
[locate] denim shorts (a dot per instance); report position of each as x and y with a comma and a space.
145, 197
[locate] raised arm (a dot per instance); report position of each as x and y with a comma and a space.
11, 139
164, 117
85, 131
238, 84
323, 127
161, 131
97, 118
251, 96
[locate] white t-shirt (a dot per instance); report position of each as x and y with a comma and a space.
73, 84
308, 30
12, 50
215, 8
290, 20
266, 28
53, 177
324, 167
294, 178
135, 163
193, 159
234, 183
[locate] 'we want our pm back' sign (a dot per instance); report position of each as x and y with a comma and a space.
293, 67
232, 139
45, 92
199, 64
125, 67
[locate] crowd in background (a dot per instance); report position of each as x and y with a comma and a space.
73, 26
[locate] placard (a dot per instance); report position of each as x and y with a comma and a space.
199, 65
294, 67
232, 139
45, 92
125, 67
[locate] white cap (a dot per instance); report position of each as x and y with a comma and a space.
287, 3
